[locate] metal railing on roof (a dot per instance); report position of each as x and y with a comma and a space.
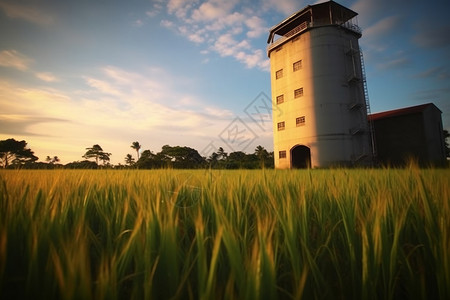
302, 27
352, 27
305, 25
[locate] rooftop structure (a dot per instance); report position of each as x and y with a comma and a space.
328, 13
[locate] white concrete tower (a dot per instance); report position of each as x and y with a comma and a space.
319, 89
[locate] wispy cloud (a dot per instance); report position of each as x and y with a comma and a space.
287, 7
103, 86
225, 27
394, 63
180, 7
381, 27
213, 9
256, 27
26, 12
432, 36
433, 95
435, 72
157, 7
46, 76
242, 51
138, 23
14, 59
371, 11
23, 124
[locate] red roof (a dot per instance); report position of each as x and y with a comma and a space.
400, 112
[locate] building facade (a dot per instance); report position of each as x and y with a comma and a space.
412, 133
319, 90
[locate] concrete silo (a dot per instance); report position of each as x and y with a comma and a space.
319, 89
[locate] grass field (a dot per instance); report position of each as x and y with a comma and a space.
261, 234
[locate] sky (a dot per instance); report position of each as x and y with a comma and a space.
187, 72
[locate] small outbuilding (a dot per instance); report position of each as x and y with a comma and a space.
411, 133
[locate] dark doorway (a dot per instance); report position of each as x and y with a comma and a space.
300, 157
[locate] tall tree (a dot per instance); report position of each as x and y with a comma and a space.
262, 155
97, 152
136, 146
129, 160
16, 152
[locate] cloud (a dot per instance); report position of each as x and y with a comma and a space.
138, 23
256, 27
213, 9
432, 36
228, 22
226, 45
395, 63
435, 72
196, 37
46, 76
156, 8
26, 12
433, 95
14, 59
180, 7
167, 24
19, 124
370, 11
382, 27
254, 59
103, 86
287, 7
221, 28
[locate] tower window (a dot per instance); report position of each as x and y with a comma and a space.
280, 126
298, 93
297, 65
300, 121
279, 74
282, 154
280, 99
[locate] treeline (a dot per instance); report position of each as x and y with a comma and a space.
188, 158
15, 154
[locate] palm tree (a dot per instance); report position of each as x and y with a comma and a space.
129, 160
136, 146
262, 154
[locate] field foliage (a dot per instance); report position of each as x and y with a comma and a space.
244, 234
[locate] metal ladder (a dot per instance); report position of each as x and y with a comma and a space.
366, 100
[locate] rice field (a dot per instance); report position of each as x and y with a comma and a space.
216, 234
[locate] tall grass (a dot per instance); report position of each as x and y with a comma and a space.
266, 234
